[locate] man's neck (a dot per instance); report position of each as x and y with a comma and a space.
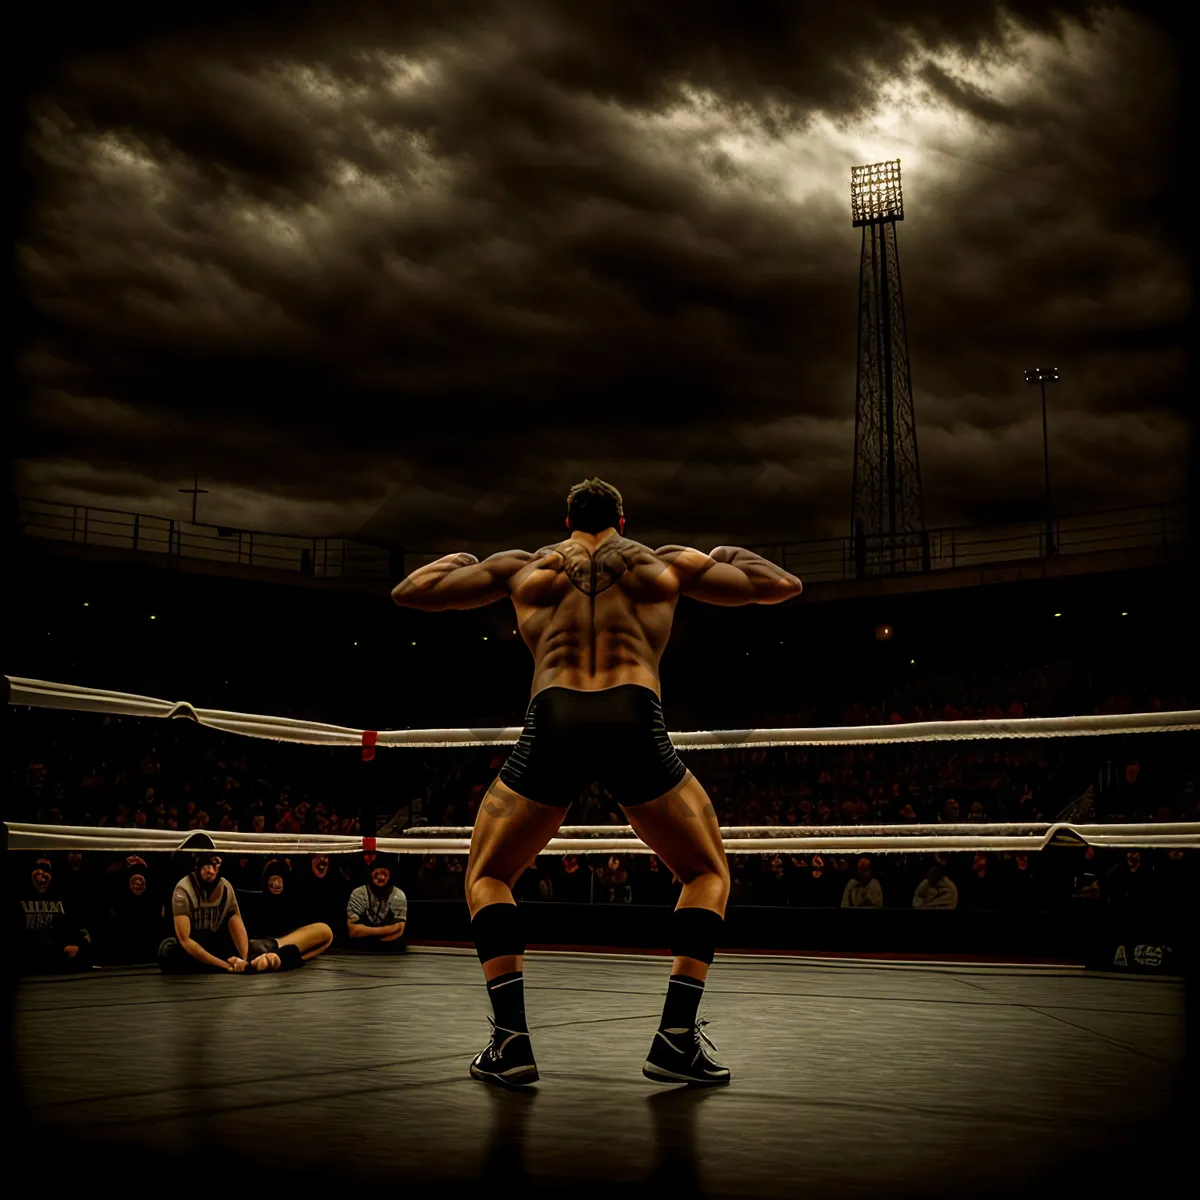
589, 541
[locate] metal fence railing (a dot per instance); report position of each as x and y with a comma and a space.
814, 561
832, 559
322, 557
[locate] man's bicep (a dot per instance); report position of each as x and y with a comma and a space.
705, 579
477, 584
183, 926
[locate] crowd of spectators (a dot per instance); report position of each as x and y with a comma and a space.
73, 768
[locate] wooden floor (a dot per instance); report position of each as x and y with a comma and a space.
849, 1078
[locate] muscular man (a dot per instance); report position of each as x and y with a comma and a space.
595, 610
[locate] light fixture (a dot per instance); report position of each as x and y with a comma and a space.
1058, 614
153, 617
875, 193
85, 604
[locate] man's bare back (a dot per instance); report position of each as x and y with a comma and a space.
596, 609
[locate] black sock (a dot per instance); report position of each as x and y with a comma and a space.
507, 994
682, 1004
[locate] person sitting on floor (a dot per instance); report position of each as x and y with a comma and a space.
53, 938
377, 911
210, 934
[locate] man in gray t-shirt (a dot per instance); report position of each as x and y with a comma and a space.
377, 912
211, 936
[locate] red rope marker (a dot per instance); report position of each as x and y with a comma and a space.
368, 845
369, 738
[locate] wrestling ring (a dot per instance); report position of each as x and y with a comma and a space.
853, 1077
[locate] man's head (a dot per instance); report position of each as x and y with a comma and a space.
275, 877
381, 875
137, 883
593, 506
863, 869
200, 852
320, 866
41, 874
1133, 859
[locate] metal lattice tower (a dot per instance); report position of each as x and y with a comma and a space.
887, 520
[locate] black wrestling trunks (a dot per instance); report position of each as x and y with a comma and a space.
616, 737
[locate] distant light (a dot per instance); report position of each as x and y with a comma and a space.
485, 637
85, 604
913, 661
356, 643
1124, 614
1058, 614
412, 643
153, 618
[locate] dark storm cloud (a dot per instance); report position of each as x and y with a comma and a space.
347, 267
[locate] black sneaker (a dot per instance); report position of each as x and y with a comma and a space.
506, 1060
684, 1058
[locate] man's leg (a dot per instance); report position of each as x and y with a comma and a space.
300, 945
681, 828
510, 831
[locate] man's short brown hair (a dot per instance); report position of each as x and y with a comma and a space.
594, 505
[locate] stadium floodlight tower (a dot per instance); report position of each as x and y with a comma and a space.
887, 519
1045, 375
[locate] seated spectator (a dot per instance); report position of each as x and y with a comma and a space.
323, 891
773, 882
54, 941
864, 890
377, 911
278, 909
612, 883
1085, 883
817, 887
135, 916
1021, 885
210, 934
936, 890
573, 882
980, 890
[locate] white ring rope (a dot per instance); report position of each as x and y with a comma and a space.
595, 839
39, 694
841, 839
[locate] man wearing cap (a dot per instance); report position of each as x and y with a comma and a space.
210, 934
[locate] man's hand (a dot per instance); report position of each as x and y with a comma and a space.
235, 964
265, 962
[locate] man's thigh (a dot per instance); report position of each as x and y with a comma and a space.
510, 832
681, 828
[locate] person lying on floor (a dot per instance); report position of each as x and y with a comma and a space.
210, 934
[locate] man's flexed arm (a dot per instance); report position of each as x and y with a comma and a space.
730, 575
460, 581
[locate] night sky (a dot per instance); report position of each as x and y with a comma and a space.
408, 271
